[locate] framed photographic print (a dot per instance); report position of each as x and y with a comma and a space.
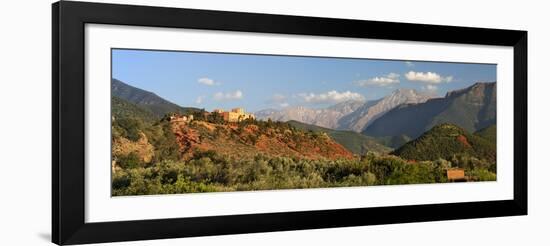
175, 122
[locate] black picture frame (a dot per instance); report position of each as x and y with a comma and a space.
68, 122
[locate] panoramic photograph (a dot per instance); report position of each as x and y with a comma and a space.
194, 122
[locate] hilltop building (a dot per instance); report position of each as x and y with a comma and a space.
235, 115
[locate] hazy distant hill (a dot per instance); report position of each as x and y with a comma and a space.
327, 117
145, 99
444, 141
472, 109
353, 141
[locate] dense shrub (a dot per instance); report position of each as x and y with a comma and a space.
128, 128
482, 175
166, 147
208, 172
129, 161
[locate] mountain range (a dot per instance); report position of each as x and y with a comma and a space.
327, 117
349, 115
472, 108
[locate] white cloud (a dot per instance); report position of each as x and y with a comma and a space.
207, 81
409, 64
427, 77
393, 76
284, 105
278, 98
330, 97
199, 100
232, 95
389, 79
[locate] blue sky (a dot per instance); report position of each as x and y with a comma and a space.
255, 82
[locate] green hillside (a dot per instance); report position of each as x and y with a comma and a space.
355, 142
157, 105
447, 141
488, 133
121, 108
